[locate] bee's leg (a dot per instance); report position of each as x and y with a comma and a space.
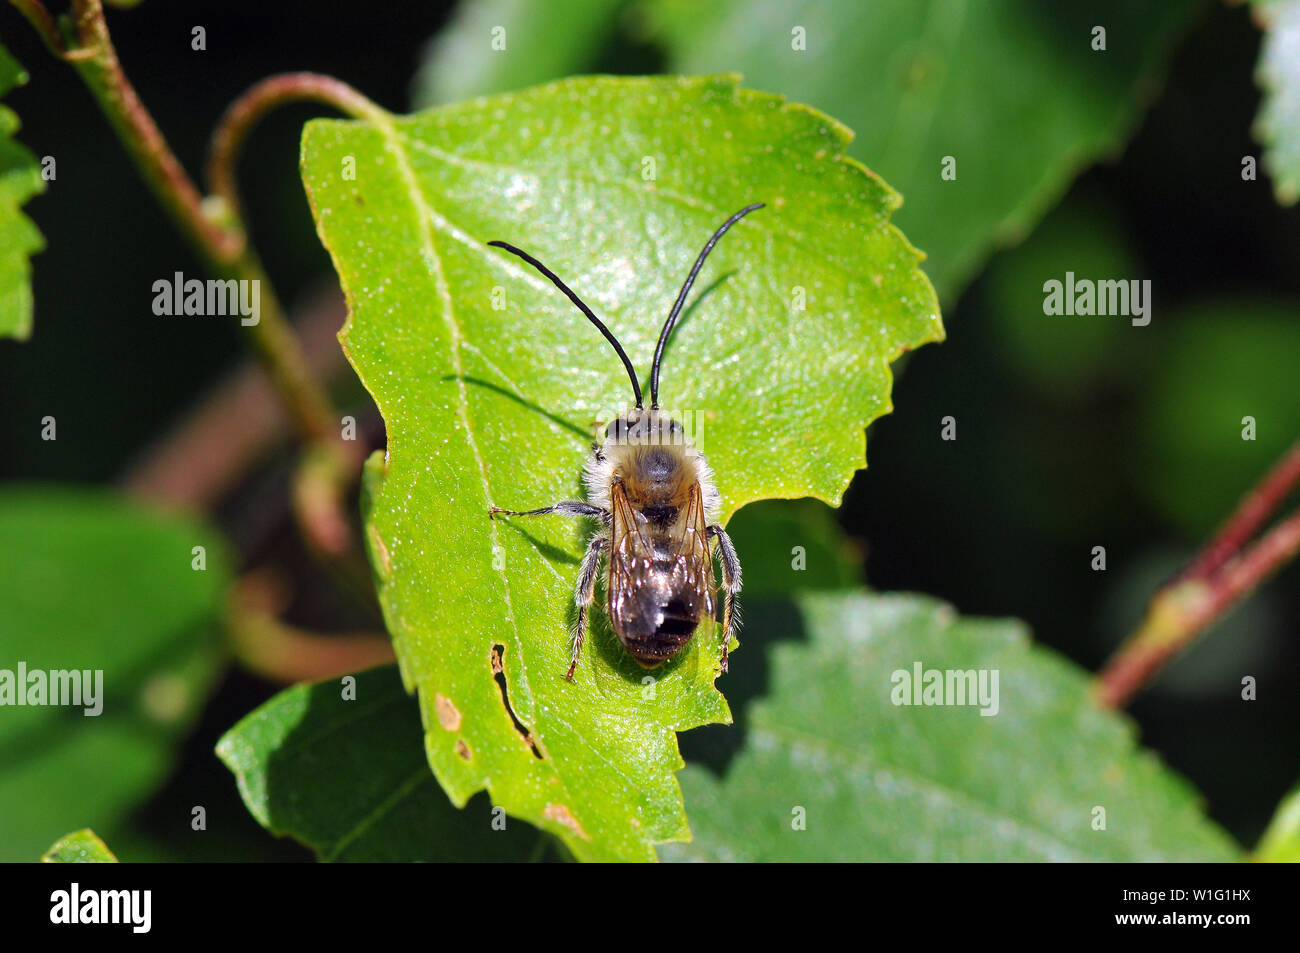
563, 508
730, 585
583, 594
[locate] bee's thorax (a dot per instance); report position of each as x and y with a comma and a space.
650, 455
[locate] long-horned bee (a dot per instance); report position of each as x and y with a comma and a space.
653, 492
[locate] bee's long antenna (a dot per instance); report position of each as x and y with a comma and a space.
681, 299
609, 335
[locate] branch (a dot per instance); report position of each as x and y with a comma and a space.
102, 73
325, 473
1249, 516
222, 245
220, 239
219, 236
1212, 584
256, 102
46, 26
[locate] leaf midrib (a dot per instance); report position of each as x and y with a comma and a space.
426, 211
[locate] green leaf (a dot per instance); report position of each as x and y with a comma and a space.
79, 847
94, 583
494, 46
1013, 92
348, 777
20, 179
1281, 842
489, 406
879, 781
1278, 74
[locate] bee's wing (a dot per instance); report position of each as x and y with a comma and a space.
690, 536
635, 594
629, 549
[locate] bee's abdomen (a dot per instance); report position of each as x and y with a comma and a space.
657, 644
655, 625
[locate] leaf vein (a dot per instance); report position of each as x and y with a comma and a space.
405, 790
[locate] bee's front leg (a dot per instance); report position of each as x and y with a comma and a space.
563, 508
731, 586
584, 594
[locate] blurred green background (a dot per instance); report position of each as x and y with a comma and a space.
1072, 432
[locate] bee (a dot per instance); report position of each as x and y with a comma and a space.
654, 495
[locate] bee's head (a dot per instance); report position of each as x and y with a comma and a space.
641, 427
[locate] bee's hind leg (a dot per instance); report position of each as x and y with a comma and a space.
584, 594
730, 585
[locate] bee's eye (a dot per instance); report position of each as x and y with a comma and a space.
643, 430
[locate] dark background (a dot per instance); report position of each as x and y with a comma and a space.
1000, 522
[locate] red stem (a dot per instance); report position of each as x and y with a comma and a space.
139, 134
1190, 604
1249, 516
274, 91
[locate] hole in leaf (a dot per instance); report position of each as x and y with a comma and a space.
499, 673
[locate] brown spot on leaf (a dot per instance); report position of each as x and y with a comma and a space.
462, 749
560, 813
448, 714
